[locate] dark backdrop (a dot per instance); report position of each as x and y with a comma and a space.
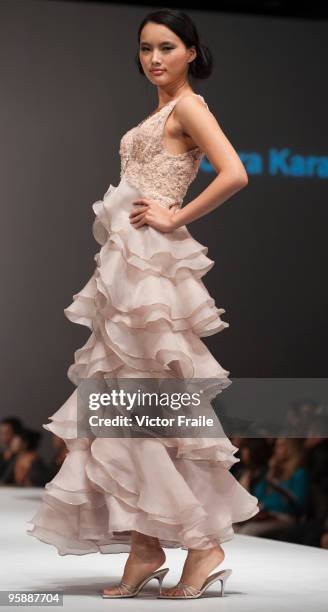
69, 90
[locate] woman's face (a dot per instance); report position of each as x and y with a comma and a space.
161, 48
282, 449
16, 444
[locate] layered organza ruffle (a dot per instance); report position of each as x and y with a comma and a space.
147, 308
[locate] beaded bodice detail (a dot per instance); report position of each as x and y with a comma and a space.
148, 165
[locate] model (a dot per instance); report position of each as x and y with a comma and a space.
147, 308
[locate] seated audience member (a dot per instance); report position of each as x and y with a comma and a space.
324, 535
254, 456
9, 427
314, 530
283, 492
27, 468
316, 460
58, 459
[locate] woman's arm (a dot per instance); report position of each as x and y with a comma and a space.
199, 123
295, 490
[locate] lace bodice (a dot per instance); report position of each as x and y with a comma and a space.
148, 165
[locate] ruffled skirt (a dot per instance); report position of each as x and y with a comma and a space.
147, 308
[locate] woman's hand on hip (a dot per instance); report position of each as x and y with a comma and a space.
149, 212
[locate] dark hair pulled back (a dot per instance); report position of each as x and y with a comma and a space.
181, 24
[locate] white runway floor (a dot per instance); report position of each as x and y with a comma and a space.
267, 576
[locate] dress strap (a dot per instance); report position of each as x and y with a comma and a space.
187, 94
168, 108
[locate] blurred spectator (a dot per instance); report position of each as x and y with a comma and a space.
58, 459
314, 530
283, 492
25, 468
316, 448
324, 536
9, 427
254, 455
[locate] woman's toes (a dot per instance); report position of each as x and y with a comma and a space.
114, 590
166, 592
172, 591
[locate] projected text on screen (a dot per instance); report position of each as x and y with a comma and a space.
280, 162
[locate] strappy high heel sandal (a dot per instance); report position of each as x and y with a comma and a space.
190, 592
127, 590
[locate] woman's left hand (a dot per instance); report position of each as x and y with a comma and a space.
148, 212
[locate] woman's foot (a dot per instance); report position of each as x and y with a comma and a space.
145, 557
198, 565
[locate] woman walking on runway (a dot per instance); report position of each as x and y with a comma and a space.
147, 308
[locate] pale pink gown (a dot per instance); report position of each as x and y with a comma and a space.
147, 308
